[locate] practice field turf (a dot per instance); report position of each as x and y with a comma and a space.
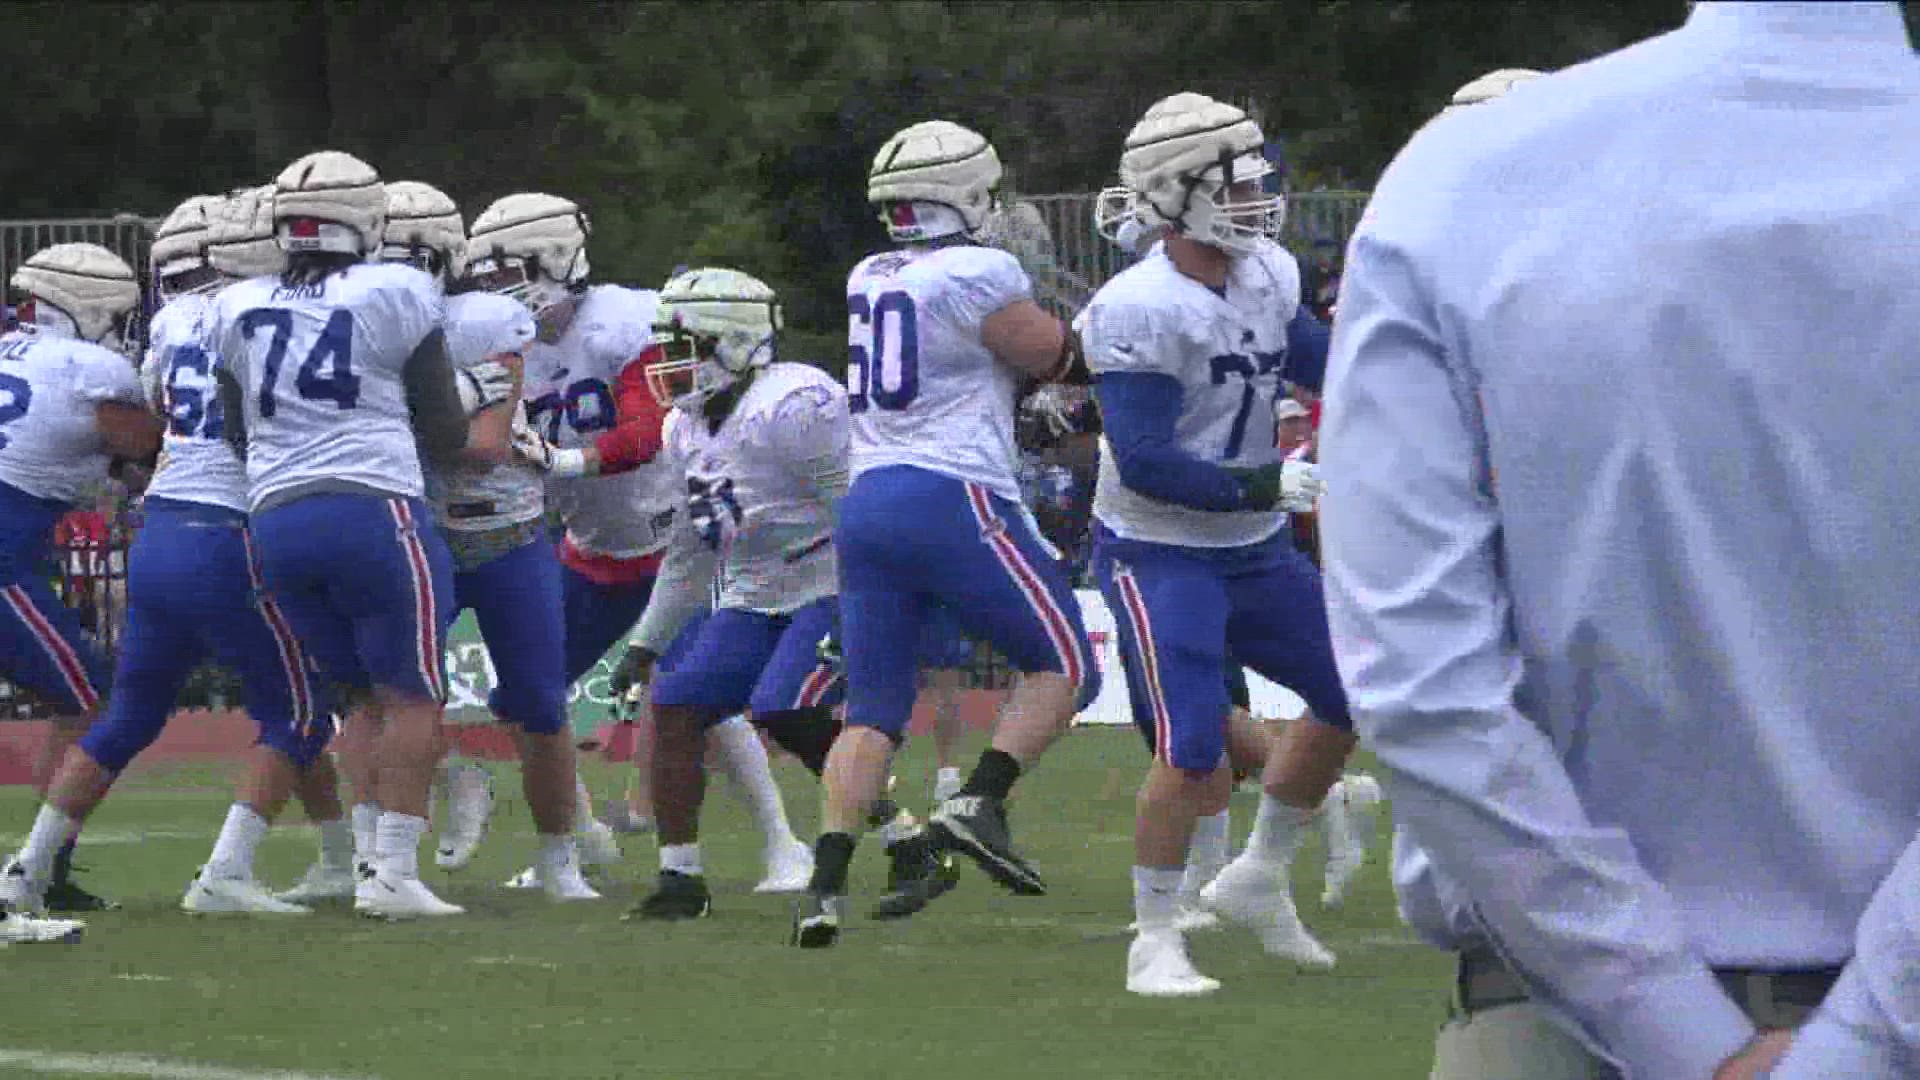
982, 986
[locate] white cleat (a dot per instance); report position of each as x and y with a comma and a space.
597, 844
563, 882
1349, 822
18, 893
21, 929
1258, 899
469, 808
402, 898
218, 895
525, 879
1157, 966
362, 883
789, 869
321, 883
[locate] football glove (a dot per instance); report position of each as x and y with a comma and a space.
486, 383
1292, 486
828, 651
634, 670
535, 450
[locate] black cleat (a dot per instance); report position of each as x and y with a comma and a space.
68, 898
816, 920
678, 896
917, 877
976, 826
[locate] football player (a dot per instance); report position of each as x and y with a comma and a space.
591, 427
942, 330
1190, 510
71, 404
762, 446
335, 380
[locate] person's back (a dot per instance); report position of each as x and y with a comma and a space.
1672, 392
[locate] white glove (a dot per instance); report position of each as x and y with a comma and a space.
535, 450
1300, 486
486, 383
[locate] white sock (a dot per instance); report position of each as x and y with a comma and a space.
555, 851
1277, 830
397, 844
336, 844
1156, 891
366, 826
1206, 854
743, 757
681, 858
233, 851
51, 830
583, 819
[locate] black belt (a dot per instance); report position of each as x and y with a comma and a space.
1485, 982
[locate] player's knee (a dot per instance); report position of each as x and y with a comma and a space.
114, 741
892, 725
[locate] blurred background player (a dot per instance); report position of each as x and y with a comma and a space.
71, 404
942, 331
762, 445
1190, 509
335, 380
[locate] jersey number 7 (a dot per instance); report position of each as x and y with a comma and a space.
882, 332
333, 349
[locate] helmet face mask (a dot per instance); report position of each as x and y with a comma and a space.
532, 247
1197, 165
714, 327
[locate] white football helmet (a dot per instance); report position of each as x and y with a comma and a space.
178, 259
1489, 86
712, 327
1198, 166
241, 242
82, 291
424, 230
531, 247
329, 201
934, 179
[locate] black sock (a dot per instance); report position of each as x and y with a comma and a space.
832, 855
993, 777
805, 733
63, 864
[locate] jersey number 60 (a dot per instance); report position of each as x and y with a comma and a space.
876, 343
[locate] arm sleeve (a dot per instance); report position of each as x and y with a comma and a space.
1308, 340
635, 438
1869, 1027
433, 398
681, 591
1420, 614
1139, 410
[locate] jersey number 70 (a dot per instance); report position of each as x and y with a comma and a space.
335, 344
883, 333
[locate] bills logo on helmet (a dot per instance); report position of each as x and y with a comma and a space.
303, 234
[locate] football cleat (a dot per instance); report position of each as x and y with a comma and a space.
976, 826
17, 891
916, 876
1158, 966
321, 883
561, 879
401, 898
217, 895
789, 868
469, 808
816, 921
68, 897
17, 928
596, 844
1262, 901
677, 896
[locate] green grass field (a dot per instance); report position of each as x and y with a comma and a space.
982, 986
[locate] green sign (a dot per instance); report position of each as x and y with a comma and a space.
471, 677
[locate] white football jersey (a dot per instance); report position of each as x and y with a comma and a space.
1228, 354
196, 464
473, 498
49, 386
922, 389
569, 397
322, 368
750, 491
